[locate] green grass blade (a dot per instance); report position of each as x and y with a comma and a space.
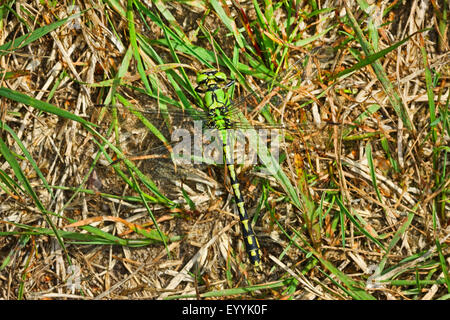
28, 38
27, 156
41, 105
373, 175
393, 96
4, 150
357, 224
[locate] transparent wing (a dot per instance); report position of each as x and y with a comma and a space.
193, 114
284, 80
158, 116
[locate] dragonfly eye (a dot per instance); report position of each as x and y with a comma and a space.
210, 74
201, 78
220, 76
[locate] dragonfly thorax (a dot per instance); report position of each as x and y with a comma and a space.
212, 83
219, 118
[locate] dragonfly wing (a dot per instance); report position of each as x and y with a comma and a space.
261, 91
285, 81
193, 114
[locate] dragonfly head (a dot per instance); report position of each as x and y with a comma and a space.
210, 77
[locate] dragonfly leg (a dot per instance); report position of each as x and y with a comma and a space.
200, 90
229, 84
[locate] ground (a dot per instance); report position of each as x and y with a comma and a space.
356, 209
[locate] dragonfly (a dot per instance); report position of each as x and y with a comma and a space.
219, 113
212, 84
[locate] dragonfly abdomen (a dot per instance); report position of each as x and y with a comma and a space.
251, 242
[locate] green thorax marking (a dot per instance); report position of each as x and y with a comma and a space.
212, 84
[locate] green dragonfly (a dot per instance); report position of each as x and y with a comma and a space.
212, 84
219, 113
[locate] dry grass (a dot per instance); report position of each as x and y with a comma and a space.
357, 210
